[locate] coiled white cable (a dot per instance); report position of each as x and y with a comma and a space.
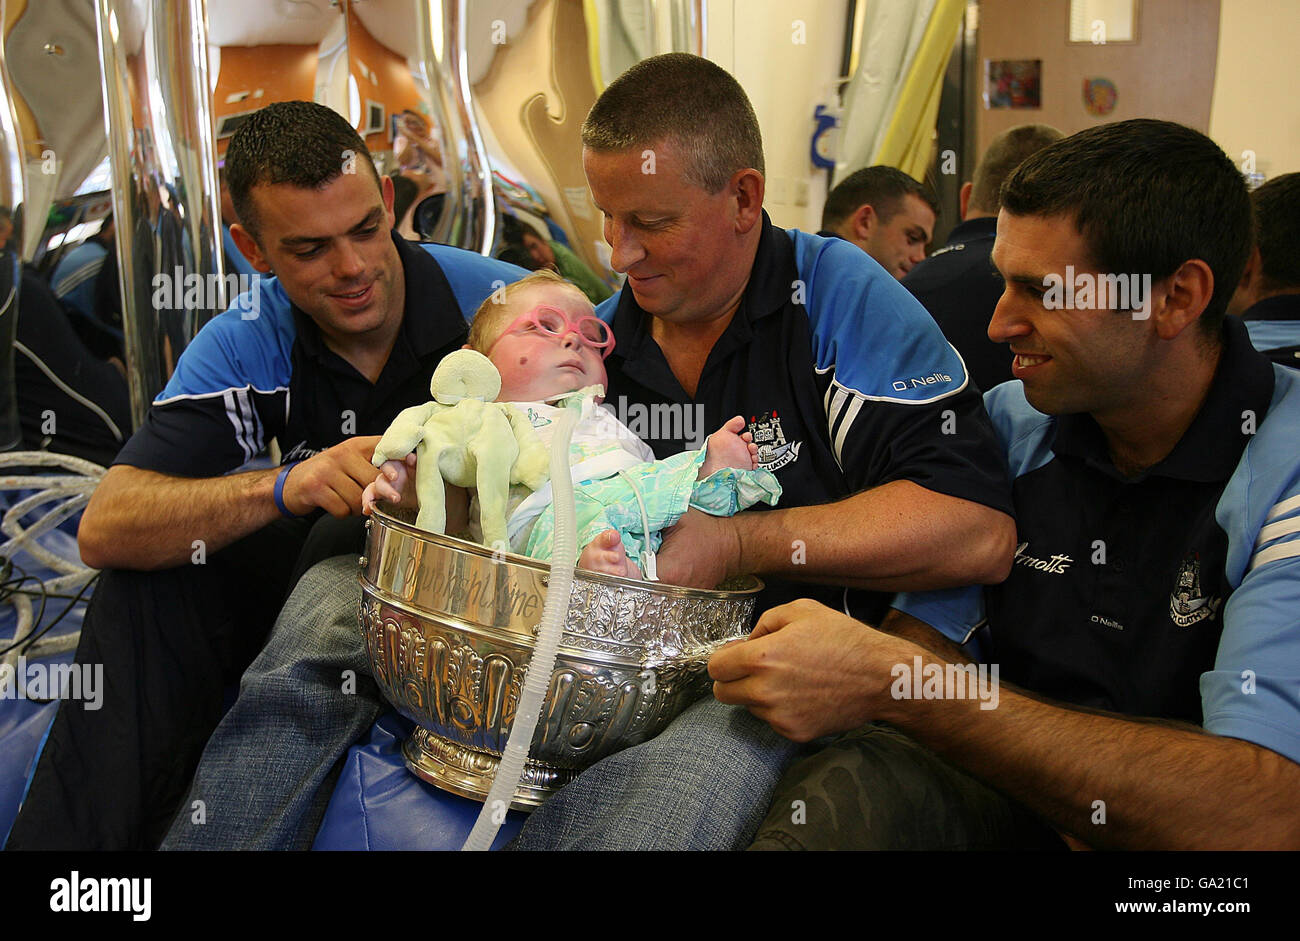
73, 489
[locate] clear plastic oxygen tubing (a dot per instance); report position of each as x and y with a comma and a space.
538, 676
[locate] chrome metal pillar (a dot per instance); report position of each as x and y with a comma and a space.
158, 111
470, 219
12, 194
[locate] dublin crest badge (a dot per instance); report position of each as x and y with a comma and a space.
1187, 603
774, 452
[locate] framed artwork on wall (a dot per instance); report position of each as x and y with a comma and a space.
1099, 96
1013, 83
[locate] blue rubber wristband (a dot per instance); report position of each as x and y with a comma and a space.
278, 493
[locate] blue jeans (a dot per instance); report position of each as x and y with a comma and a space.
704, 783
268, 771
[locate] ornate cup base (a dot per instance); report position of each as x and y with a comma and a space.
469, 772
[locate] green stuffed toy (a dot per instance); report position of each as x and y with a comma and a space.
468, 439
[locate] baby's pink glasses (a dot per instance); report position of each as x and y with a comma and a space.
552, 321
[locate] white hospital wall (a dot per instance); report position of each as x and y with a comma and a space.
785, 79
1255, 107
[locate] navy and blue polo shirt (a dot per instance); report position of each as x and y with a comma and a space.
843, 378
1172, 594
959, 286
242, 382
1274, 327
73, 279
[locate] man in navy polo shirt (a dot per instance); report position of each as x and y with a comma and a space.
198, 560
1268, 297
1149, 622
890, 472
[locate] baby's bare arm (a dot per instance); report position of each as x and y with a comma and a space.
396, 484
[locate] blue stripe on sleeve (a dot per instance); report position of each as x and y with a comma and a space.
1253, 692
866, 326
248, 346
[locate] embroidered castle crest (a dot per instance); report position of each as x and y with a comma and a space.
1187, 603
774, 451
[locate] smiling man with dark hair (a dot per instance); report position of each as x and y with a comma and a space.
320, 357
1149, 622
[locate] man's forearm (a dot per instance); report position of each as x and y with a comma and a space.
1115, 782
896, 537
140, 519
918, 632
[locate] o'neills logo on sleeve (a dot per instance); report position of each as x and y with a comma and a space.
920, 382
1054, 565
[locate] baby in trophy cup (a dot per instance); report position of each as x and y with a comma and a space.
532, 353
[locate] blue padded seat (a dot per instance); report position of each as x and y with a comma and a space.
379, 805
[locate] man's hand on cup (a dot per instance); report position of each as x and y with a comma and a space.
808, 670
700, 551
333, 479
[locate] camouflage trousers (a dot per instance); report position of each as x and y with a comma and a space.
877, 789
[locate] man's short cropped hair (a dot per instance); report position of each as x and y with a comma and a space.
883, 187
483, 329
1146, 196
296, 142
1277, 232
683, 98
1007, 151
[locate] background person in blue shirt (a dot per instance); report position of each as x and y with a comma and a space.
884, 212
1268, 297
1157, 575
73, 279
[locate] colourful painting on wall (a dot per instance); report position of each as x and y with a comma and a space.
1013, 83
1099, 96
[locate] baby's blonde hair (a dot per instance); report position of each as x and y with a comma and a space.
483, 329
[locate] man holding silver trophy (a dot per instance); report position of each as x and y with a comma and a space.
891, 474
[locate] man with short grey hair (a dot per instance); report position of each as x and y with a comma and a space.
800, 334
